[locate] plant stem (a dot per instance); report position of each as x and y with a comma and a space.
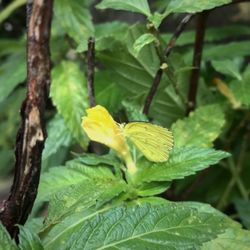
91, 71
31, 135
157, 79
10, 8
198, 47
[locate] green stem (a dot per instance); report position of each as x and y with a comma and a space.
10, 8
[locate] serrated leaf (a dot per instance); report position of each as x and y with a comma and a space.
58, 136
169, 226
199, 130
227, 67
140, 6
75, 19
189, 6
182, 162
6, 243
243, 208
143, 40
29, 240
12, 72
75, 173
230, 240
69, 94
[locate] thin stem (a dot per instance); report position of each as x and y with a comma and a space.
198, 47
91, 71
10, 8
167, 51
31, 135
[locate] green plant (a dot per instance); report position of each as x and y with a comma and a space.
93, 203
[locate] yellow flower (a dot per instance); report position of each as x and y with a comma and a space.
101, 127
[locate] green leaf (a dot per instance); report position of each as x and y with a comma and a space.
169, 226
58, 136
226, 51
199, 130
69, 94
75, 18
189, 6
6, 243
12, 72
230, 240
29, 240
243, 208
108, 34
135, 75
241, 88
75, 173
142, 41
227, 67
182, 162
107, 91
152, 188
61, 232
140, 6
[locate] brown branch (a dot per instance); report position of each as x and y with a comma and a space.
91, 71
198, 47
180, 28
31, 135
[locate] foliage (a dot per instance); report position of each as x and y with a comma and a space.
87, 196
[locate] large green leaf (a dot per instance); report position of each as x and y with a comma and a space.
201, 128
140, 6
75, 18
12, 72
230, 240
134, 76
69, 94
169, 226
5, 241
190, 6
29, 240
182, 162
58, 136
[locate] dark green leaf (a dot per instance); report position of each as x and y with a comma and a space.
75, 18
29, 240
5, 241
12, 72
243, 208
182, 162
